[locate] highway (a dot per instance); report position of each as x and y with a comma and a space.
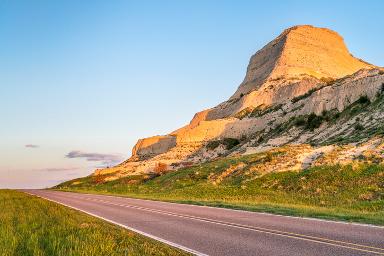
217, 231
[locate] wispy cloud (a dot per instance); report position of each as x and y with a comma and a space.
104, 159
57, 169
31, 146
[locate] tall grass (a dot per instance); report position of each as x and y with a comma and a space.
33, 226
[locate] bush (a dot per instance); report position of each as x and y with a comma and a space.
243, 113
300, 121
261, 110
363, 100
98, 179
212, 145
160, 168
305, 95
229, 143
359, 127
314, 121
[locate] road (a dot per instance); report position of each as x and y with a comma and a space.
215, 231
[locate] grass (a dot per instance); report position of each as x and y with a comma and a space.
350, 193
33, 226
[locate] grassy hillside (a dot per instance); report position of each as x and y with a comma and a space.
353, 192
33, 226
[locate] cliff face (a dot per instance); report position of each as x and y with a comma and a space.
302, 61
300, 51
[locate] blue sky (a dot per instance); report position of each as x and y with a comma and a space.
81, 81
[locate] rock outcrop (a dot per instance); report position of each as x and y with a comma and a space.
304, 70
148, 147
298, 51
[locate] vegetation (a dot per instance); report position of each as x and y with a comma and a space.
313, 121
160, 168
33, 226
260, 111
305, 95
257, 111
229, 143
359, 127
367, 123
326, 80
363, 100
243, 113
352, 193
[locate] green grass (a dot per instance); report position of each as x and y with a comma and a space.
349, 193
33, 226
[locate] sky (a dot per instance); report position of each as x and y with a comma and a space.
81, 81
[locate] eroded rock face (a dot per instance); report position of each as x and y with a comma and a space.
152, 146
302, 59
297, 61
298, 51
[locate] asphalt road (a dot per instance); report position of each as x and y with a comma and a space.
215, 231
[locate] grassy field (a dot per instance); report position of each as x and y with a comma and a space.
33, 226
350, 193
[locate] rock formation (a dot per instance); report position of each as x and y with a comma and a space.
304, 70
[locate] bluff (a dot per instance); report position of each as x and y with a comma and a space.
305, 70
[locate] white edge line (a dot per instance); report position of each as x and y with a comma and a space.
229, 209
127, 227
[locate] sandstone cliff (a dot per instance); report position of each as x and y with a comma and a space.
304, 70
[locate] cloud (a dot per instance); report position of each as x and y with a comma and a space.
105, 159
31, 146
58, 169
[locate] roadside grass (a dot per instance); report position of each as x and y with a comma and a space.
352, 192
33, 226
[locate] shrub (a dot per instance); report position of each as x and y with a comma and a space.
300, 97
98, 179
359, 127
256, 112
261, 110
230, 143
300, 121
212, 145
314, 121
243, 113
160, 168
363, 100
